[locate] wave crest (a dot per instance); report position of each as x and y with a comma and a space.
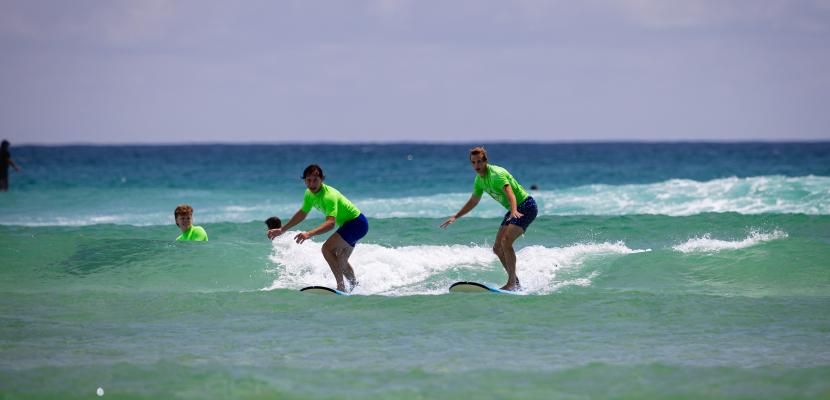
676, 197
705, 244
427, 269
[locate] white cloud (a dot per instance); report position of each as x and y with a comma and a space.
135, 22
389, 8
703, 14
108, 23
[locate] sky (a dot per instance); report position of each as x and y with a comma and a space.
272, 71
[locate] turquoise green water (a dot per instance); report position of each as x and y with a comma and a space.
635, 286
589, 344
613, 308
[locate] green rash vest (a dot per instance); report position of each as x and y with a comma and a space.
331, 203
494, 181
196, 233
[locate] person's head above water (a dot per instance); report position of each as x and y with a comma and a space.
273, 223
184, 216
313, 177
5, 145
478, 158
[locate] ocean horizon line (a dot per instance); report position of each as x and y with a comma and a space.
421, 143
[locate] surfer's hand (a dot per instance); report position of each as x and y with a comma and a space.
301, 237
448, 222
516, 215
272, 233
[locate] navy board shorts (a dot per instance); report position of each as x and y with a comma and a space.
528, 209
354, 230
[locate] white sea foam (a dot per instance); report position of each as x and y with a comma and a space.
410, 270
676, 197
706, 244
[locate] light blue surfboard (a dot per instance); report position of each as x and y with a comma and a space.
323, 290
475, 287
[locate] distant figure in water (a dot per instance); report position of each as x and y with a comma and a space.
273, 223
521, 209
339, 211
184, 220
6, 160
534, 187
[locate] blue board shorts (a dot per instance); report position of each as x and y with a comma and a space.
354, 230
528, 208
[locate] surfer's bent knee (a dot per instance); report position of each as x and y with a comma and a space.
497, 248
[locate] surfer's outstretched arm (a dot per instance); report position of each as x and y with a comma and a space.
323, 228
471, 203
298, 217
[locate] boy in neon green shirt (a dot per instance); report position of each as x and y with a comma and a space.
339, 211
521, 210
184, 220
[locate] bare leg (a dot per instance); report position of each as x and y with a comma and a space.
343, 255
346, 268
497, 245
331, 260
337, 252
509, 234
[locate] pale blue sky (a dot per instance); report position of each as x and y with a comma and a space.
156, 71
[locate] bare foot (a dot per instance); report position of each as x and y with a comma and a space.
513, 288
352, 284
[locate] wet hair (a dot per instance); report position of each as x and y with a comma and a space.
313, 169
273, 223
183, 209
478, 151
5, 145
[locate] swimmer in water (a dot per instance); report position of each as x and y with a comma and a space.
184, 220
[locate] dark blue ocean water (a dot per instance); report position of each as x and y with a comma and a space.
416, 169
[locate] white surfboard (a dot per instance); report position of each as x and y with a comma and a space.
475, 287
323, 290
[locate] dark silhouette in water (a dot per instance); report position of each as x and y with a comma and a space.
6, 160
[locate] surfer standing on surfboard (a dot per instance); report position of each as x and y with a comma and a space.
339, 211
521, 209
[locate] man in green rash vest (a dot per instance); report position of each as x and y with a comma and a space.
521, 209
338, 211
184, 219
